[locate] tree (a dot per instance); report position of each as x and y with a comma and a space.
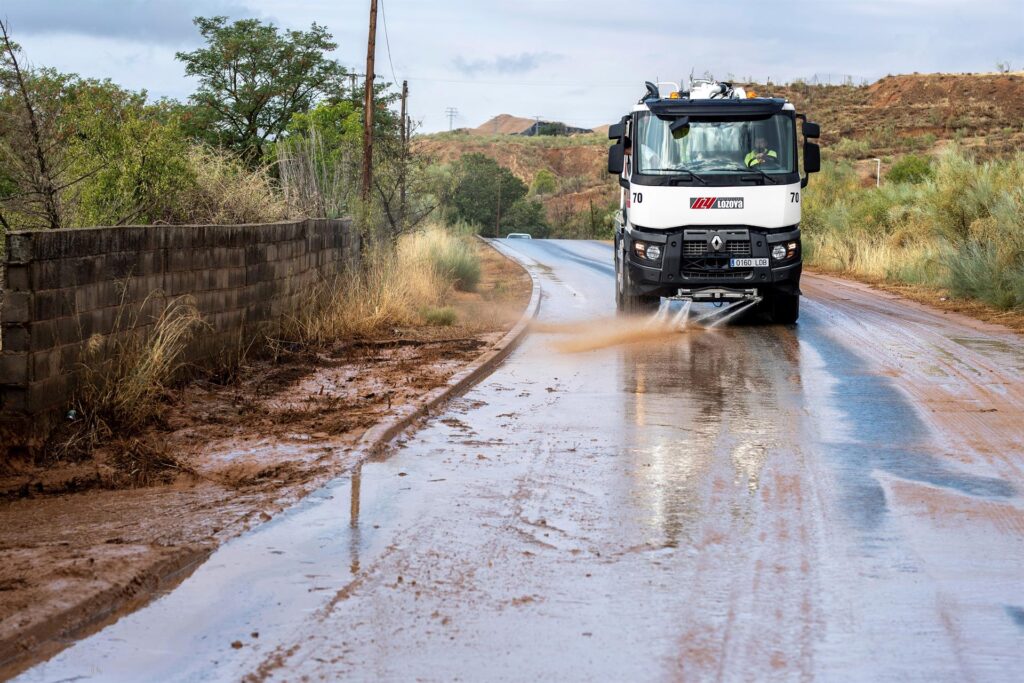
31, 140
140, 156
526, 215
77, 151
254, 78
484, 190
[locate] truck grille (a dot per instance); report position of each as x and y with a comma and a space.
718, 274
738, 248
693, 248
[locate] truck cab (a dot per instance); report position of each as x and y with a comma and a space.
710, 200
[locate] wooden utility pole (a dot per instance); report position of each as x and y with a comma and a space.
405, 155
497, 219
371, 46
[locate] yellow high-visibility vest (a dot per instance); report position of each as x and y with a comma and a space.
752, 160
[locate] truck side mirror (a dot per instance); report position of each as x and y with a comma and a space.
811, 130
616, 131
617, 158
812, 161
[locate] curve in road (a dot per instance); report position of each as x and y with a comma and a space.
841, 499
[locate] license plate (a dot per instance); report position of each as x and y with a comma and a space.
748, 263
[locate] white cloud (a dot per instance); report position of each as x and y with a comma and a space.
493, 57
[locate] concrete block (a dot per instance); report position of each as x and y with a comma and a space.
45, 364
45, 275
18, 277
20, 247
43, 335
53, 303
16, 308
13, 399
178, 260
16, 338
14, 369
50, 394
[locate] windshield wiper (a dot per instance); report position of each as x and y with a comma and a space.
755, 169
693, 175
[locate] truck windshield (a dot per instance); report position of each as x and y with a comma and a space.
709, 147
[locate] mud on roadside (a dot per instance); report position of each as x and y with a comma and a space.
80, 549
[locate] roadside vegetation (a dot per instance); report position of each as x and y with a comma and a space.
400, 287
273, 132
951, 223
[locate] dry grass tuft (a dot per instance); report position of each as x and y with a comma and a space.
398, 286
226, 192
124, 378
960, 229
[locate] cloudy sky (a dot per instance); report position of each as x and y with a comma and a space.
574, 61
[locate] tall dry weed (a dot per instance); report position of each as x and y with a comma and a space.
960, 230
122, 382
397, 287
226, 192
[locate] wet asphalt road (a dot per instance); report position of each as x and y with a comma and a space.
838, 500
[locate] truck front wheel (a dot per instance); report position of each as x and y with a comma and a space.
784, 307
626, 301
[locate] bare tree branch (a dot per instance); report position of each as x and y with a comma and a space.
44, 180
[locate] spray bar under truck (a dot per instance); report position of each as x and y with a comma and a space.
711, 198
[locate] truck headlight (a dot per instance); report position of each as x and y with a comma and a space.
646, 250
785, 252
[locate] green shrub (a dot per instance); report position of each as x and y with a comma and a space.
452, 257
544, 182
849, 148
961, 228
910, 169
444, 316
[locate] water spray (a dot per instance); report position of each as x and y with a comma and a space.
725, 309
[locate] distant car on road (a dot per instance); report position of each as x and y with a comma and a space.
518, 236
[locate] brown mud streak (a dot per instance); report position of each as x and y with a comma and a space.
47, 638
601, 334
243, 496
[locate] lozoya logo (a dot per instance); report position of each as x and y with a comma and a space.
716, 202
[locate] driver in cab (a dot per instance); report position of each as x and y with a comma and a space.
761, 153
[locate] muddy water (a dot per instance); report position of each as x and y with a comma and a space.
839, 500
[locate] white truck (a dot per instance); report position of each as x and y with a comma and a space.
711, 194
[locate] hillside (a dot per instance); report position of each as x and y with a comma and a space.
914, 112
503, 124
897, 115
506, 124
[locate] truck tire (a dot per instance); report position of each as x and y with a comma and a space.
619, 304
784, 307
626, 301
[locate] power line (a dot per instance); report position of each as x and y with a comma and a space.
588, 86
387, 41
451, 113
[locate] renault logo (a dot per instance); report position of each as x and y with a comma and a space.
716, 242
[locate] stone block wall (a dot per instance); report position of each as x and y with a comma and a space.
63, 289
